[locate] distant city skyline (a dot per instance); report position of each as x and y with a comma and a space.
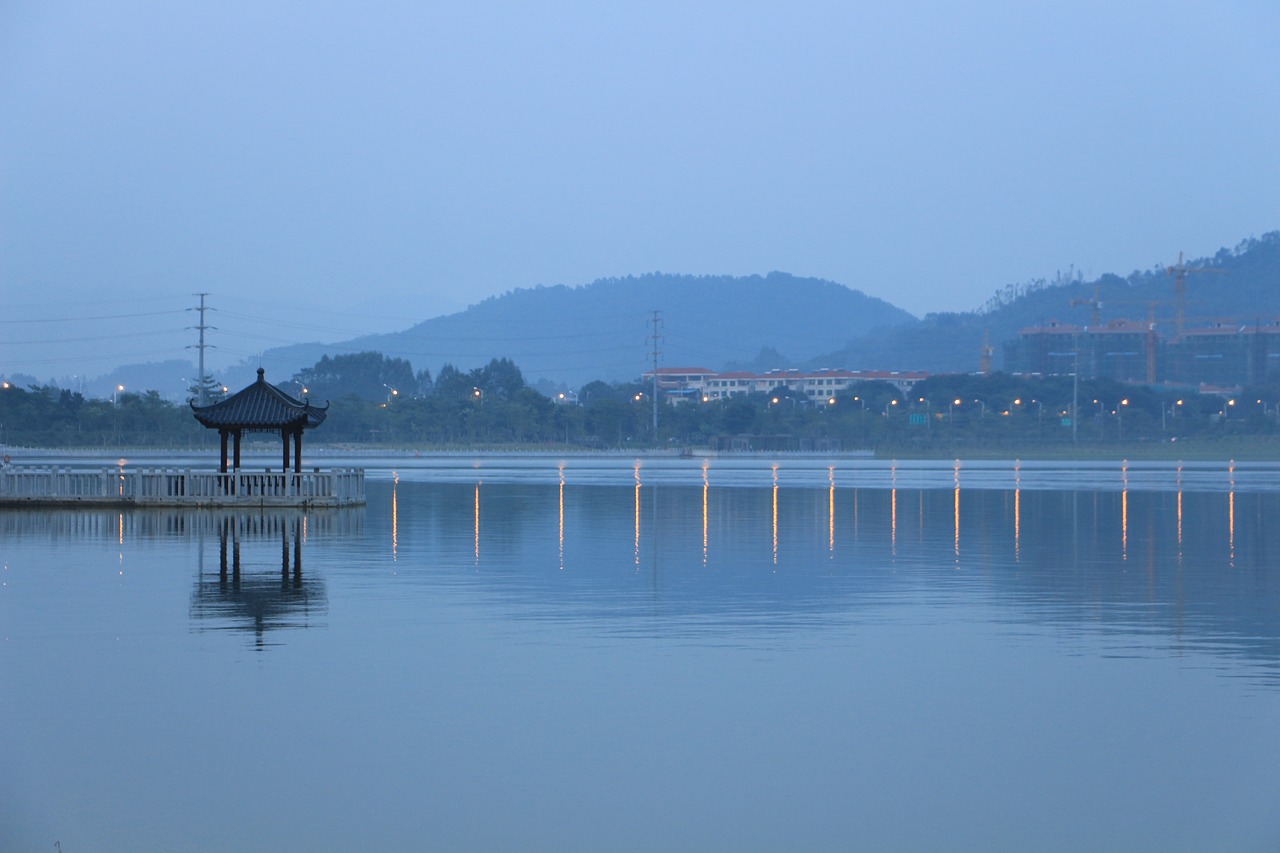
325, 173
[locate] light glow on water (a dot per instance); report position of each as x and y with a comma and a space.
772, 692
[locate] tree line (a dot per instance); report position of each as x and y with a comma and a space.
383, 401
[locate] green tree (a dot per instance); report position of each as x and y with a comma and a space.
369, 376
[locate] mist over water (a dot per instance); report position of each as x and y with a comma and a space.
655, 654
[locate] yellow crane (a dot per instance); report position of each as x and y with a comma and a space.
1151, 341
1179, 272
1095, 305
987, 351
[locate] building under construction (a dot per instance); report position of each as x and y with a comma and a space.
1221, 355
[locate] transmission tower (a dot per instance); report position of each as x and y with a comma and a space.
201, 327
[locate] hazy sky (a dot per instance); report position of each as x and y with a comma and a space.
335, 168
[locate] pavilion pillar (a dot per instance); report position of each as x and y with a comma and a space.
236, 436
284, 435
222, 435
297, 451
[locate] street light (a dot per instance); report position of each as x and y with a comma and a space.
115, 394
861, 402
1075, 387
928, 417
891, 403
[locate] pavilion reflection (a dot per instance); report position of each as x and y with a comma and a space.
259, 585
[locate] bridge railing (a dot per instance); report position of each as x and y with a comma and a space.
179, 486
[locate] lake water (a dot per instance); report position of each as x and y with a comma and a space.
595, 653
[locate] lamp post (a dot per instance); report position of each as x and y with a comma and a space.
861, 402
115, 394
928, 412
1075, 386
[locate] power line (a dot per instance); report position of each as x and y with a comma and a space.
94, 318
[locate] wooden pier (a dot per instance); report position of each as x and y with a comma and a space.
55, 486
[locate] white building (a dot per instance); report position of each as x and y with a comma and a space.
694, 383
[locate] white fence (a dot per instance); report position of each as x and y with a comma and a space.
180, 487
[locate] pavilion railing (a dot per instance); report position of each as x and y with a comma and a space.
338, 486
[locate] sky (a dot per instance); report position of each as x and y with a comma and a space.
327, 169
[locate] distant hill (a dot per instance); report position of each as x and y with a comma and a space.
604, 330
1244, 288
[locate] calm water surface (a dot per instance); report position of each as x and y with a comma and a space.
604, 654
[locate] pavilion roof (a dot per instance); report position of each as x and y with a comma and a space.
260, 406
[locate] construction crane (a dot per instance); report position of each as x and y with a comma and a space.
1095, 305
1151, 342
1179, 273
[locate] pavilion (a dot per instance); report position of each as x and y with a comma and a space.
261, 407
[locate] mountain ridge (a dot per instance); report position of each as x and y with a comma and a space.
573, 334
604, 330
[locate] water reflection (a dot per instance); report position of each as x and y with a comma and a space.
1039, 555
1207, 557
247, 594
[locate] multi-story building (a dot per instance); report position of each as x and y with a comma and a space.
1226, 355
1222, 355
1045, 350
683, 383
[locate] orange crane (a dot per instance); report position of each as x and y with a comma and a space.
1095, 313
1179, 272
1151, 342
987, 351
